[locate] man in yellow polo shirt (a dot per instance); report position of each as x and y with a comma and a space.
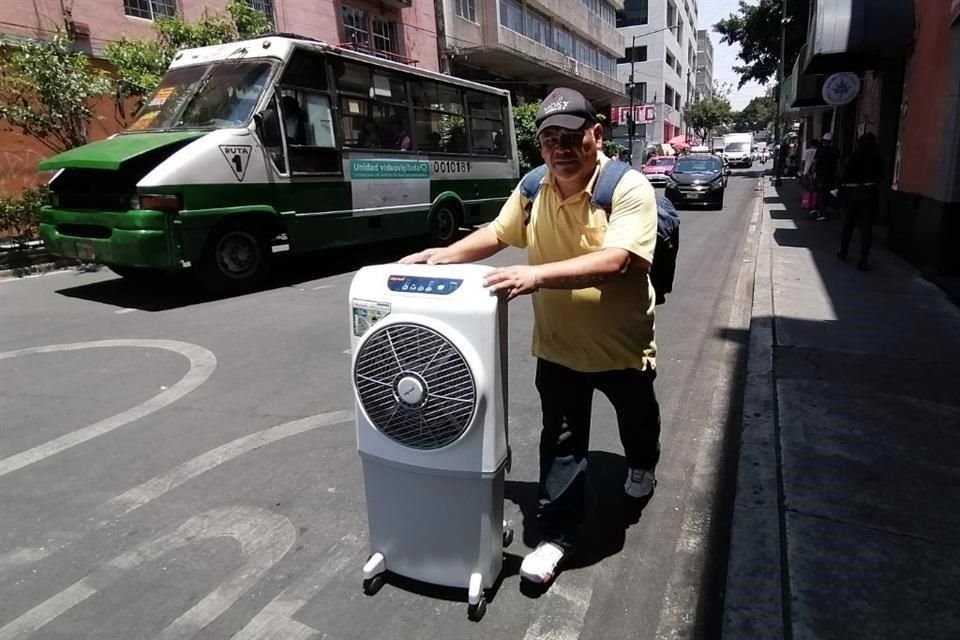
594, 314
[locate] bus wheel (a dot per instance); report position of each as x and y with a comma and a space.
138, 274
444, 224
235, 259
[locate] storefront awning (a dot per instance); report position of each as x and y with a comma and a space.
803, 93
857, 35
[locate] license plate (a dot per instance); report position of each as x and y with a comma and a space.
85, 251
695, 195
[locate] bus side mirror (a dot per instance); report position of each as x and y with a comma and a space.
268, 128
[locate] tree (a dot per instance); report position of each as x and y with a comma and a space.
141, 63
46, 89
759, 114
524, 123
707, 114
756, 28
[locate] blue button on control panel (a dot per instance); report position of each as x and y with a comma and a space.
432, 286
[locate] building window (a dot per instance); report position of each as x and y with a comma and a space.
375, 35
635, 54
673, 18
562, 41
511, 15
263, 6
150, 9
602, 9
670, 59
467, 9
355, 26
634, 12
385, 36
537, 27
669, 95
640, 92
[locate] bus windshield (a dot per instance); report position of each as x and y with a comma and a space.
223, 94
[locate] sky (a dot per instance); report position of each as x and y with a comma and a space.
725, 56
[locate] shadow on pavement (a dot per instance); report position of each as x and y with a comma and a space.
864, 366
609, 513
181, 290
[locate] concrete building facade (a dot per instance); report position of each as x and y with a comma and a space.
531, 46
661, 48
401, 29
704, 87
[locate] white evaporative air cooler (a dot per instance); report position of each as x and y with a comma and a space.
430, 384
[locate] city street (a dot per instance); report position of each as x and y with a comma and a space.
177, 467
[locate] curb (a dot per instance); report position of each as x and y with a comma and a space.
36, 269
756, 584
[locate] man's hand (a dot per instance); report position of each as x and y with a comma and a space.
427, 256
513, 281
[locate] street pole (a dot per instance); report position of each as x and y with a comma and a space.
778, 163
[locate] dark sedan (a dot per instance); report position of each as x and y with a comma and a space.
697, 179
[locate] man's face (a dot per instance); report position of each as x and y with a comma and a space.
570, 153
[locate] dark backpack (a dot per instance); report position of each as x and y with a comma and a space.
668, 221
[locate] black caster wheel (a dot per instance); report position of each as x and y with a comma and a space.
507, 536
475, 611
372, 585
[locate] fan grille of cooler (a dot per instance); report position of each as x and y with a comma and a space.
396, 354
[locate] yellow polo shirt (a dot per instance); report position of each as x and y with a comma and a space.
599, 328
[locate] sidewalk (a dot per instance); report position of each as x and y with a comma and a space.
847, 515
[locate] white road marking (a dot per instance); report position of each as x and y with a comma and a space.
264, 538
348, 351
159, 485
156, 487
564, 607
128, 310
275, 621
202, 364
323, 286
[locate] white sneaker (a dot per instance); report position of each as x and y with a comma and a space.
640, 483
540, 565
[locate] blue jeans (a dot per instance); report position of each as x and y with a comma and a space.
566, 398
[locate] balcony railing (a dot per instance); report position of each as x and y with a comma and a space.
379, 53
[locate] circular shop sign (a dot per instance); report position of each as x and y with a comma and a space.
841, 88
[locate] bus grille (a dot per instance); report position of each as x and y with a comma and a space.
94, 189
84, 230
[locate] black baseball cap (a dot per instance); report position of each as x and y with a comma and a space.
565, 108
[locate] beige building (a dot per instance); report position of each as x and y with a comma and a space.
704, 65
530, 46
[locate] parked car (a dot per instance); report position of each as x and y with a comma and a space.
657, 168
697, 179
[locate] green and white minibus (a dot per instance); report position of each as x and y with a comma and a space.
281, 144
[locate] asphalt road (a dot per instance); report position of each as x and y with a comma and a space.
175, 467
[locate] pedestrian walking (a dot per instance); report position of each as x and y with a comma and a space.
861, 188
806, 170
593, 305
825, 164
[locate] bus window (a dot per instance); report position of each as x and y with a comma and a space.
308, 124
306, 69
383, 123
353, 78
439, 122
486, 123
